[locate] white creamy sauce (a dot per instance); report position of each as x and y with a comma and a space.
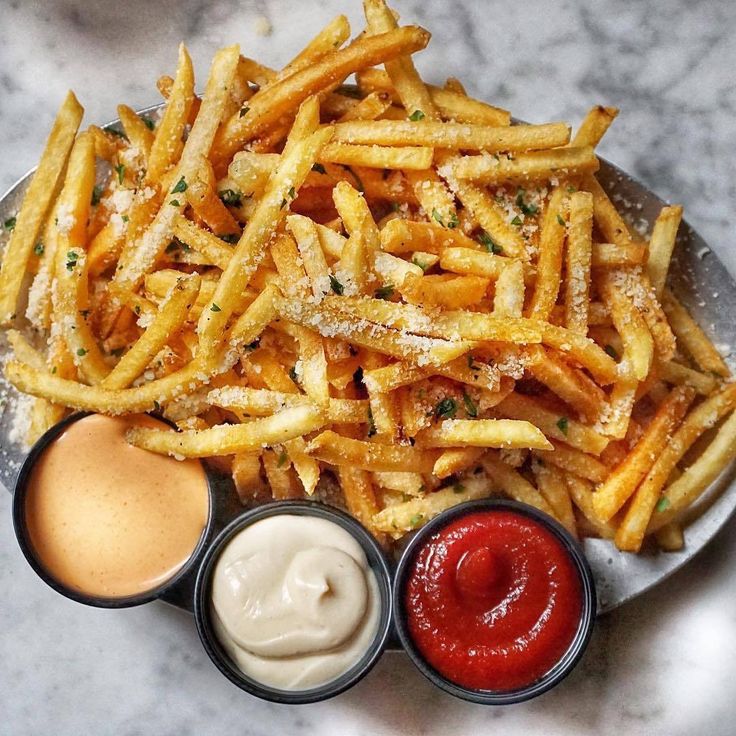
295, 602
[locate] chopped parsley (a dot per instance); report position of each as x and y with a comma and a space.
453, 222
156, 406
446, 408
291, 193
336, 286
81, 352
610, 350
437, 217
283, 204
527, 209
416, 520
663, 504
124, 218
560, 220
487, 242
215, 307
371, 423
417, 115
571, 189
147, 122
384, 292
181, 186
96, 195
470, 406
319, 168
120, 170
10, 223
38, 249
517, 221
458, 488
243, 111
71, 260
231, 238
417, 262
562, 423
175, 203
282, 459
231, 197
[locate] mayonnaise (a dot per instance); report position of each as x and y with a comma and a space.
294, 601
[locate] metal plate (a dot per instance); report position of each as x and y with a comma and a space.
702, 283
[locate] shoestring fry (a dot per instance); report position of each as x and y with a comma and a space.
389, 284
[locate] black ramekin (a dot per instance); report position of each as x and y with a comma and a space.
566, 663
21, 530
203, 608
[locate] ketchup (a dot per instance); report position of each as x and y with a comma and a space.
493, 600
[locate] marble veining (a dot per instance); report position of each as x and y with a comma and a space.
664, 664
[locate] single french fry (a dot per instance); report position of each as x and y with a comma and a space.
360, 496
615, 416
210, 246
526, 167
456, 460
477, 263
378, 157
551, 484
404, 517
571, 385
167, 143
405, 236
680, 375
457, 292
549, 265
500, 433
611, 255
313, 367
581, 493
616, 287
76, 395
137, 131
453, 135
574, 461
290, 267
607, 219
372, 106
578, 262
201, 193
171, 315
623, 481
230, 438
661, 245
246, 471
508, 299
330, 447
306, 467
307, 238
512, 483
594, 126
552, 424
691, 337
36, 203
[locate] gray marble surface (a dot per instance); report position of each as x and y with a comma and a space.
664, 664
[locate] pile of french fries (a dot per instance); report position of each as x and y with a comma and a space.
388, 283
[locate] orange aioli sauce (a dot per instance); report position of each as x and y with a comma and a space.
111, 520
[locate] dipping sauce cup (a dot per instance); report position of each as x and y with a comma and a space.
105, 523
293, 602
494, 601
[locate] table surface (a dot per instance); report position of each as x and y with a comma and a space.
665, 663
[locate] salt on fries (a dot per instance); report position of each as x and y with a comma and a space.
396, 287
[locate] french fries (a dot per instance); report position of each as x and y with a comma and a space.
393, 286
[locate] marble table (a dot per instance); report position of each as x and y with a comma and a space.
664, 664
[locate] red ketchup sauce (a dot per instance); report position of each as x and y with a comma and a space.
493, 600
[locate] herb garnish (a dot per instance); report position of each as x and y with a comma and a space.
181, 186
446, 409
231, 197
384, 292
336, 286
470, 406
562, 423
215, 307
416, 115
120, 169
